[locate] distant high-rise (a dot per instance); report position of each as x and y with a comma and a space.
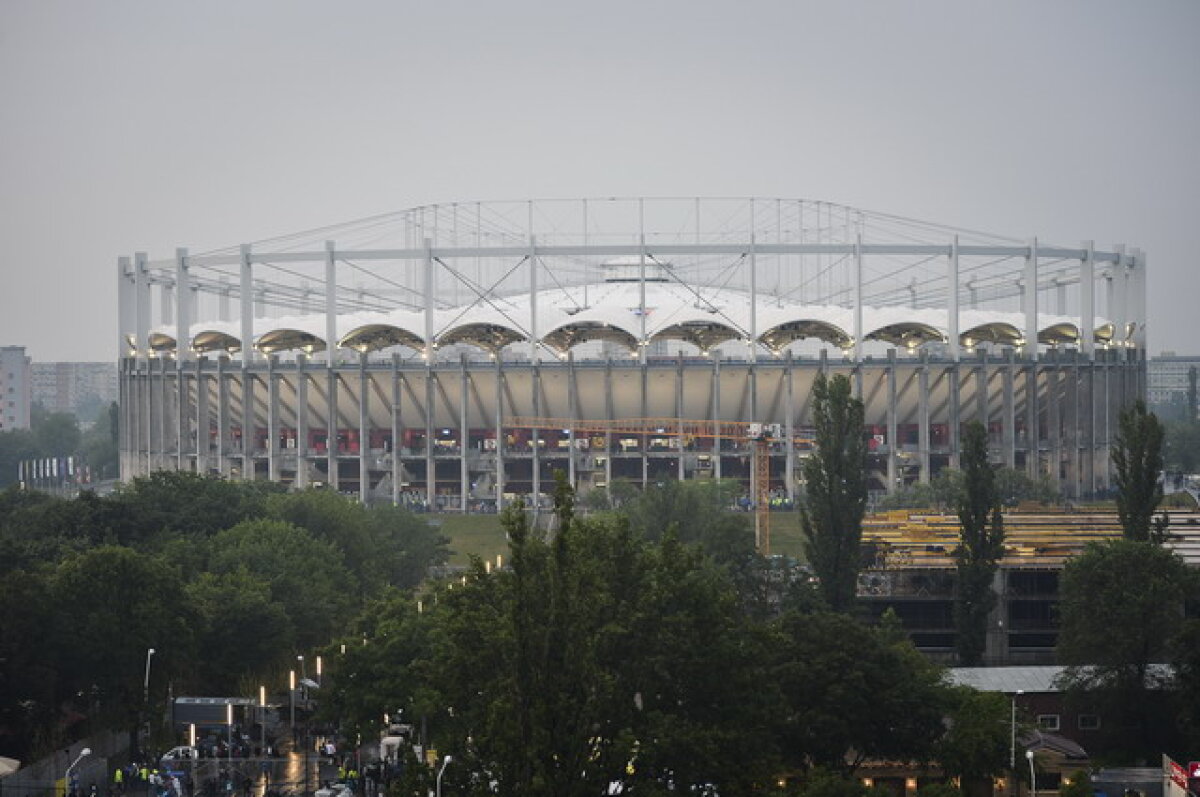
15, 388
81, 389
1167, 380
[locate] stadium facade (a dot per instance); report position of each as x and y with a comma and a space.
456, 355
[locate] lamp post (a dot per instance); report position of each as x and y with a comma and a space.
262, 723
442, 771
229, 722
1032, 775
1012, 742
292, 700
67, 777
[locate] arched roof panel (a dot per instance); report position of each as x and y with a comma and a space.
567, 336
289, 340
215, 340
488, 336
373, 337
704, 334
778, 337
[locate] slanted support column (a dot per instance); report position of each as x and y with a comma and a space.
573, 414
923, 418
954, 426
1032, 419
224, 447
535, 383
248, 429
302, 452
273, 418
397, 464
430, 459
790, 430
331, 426
364, 430
501, 443
203, 423
183, 408
892, 425
1054, 402
716, 414
464, 436
679, 414
982, 402
1010, 412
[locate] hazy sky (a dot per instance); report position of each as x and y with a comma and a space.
146, 125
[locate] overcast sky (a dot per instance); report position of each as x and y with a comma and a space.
143, 125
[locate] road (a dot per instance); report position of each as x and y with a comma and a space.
284, 774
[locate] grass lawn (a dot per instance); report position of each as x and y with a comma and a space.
482, 536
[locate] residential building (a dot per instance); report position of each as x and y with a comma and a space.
15, 388
81, 389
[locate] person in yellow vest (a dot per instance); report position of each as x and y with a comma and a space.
118, 780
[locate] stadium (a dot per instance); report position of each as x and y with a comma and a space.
454, 356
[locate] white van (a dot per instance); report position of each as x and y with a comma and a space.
176, 754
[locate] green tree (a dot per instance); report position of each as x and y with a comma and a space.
836, 490
305, 575
976, 744
850, 694
1182, 446
1120, 603
29, 693
241, 629
57, 433
193, 505
1137, 456
980, 548
111, 604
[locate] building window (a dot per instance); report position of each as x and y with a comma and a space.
1089, 722
1047, 722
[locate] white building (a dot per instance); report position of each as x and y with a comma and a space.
15, 388
1167, 378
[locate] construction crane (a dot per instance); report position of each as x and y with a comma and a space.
758, 435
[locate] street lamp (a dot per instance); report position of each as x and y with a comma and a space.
441, 771
292, 698
1012, 742
1032, 775
262, 703
229, 722
318, 670
67, 777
